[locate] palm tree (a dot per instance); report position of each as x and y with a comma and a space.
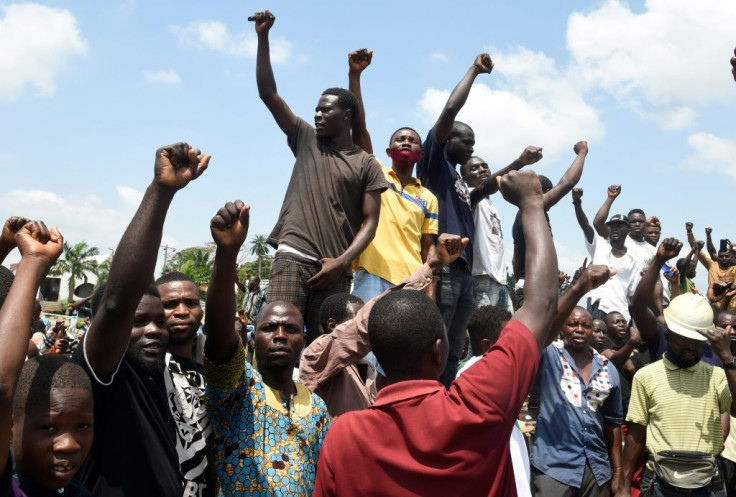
260, 248
103, 269
77, 263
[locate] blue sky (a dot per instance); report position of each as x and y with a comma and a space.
89, 90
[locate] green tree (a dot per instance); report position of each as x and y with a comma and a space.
103, 270
202, 256
260, 248
195, 262
78, 263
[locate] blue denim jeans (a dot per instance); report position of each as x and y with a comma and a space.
455, 300
490, 292
367, 285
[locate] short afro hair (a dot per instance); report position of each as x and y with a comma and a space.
545, 182
336, 307
173, 276
6, 280
680, 265
346, 100
486, 322
636, 211
391, 140
100, 292
42, 374
464, 167
402, 327
458, 127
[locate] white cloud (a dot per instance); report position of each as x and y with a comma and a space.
659, 63
711, 153
79, 217
535, 104
130, 196
168, 77
36, 43
214, 35
440, 57
568, 259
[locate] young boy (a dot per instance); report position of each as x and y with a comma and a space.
46, 405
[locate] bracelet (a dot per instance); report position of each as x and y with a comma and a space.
577, 202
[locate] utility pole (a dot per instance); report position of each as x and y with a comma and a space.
166, 253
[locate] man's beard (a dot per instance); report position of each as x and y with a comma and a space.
144, 367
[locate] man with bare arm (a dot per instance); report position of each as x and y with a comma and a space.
385, 449
332, 204
139, 447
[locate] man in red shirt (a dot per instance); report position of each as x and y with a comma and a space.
420, 439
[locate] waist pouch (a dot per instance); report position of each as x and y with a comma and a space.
685, 470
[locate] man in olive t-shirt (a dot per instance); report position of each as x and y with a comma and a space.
331, 207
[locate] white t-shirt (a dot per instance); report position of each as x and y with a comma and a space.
616, 293
517, 450
593, 295
640, 250
488, 249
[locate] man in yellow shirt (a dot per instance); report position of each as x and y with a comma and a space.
409, 222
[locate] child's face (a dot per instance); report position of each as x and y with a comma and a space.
50, 445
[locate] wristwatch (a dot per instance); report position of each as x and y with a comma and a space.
730, 365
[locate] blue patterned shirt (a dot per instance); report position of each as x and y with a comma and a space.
262, 447
572, 416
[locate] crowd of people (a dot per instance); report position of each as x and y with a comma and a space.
414, 383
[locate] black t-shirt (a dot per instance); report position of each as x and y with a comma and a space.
15, 485
639, 358
134, 452
439, 175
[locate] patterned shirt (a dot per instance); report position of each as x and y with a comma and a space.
185, 396
572, 415
261, 445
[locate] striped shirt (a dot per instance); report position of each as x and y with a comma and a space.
407, 213
680, 407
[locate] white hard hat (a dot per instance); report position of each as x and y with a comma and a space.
688, 313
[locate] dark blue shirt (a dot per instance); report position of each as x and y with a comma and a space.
572, 416
436, 173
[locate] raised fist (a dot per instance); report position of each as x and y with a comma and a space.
11, 227
229, 227
360, 59
264, 20
178, 164
484, 63
530, 155
669, 248
36, 241
519, 186
580, 147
